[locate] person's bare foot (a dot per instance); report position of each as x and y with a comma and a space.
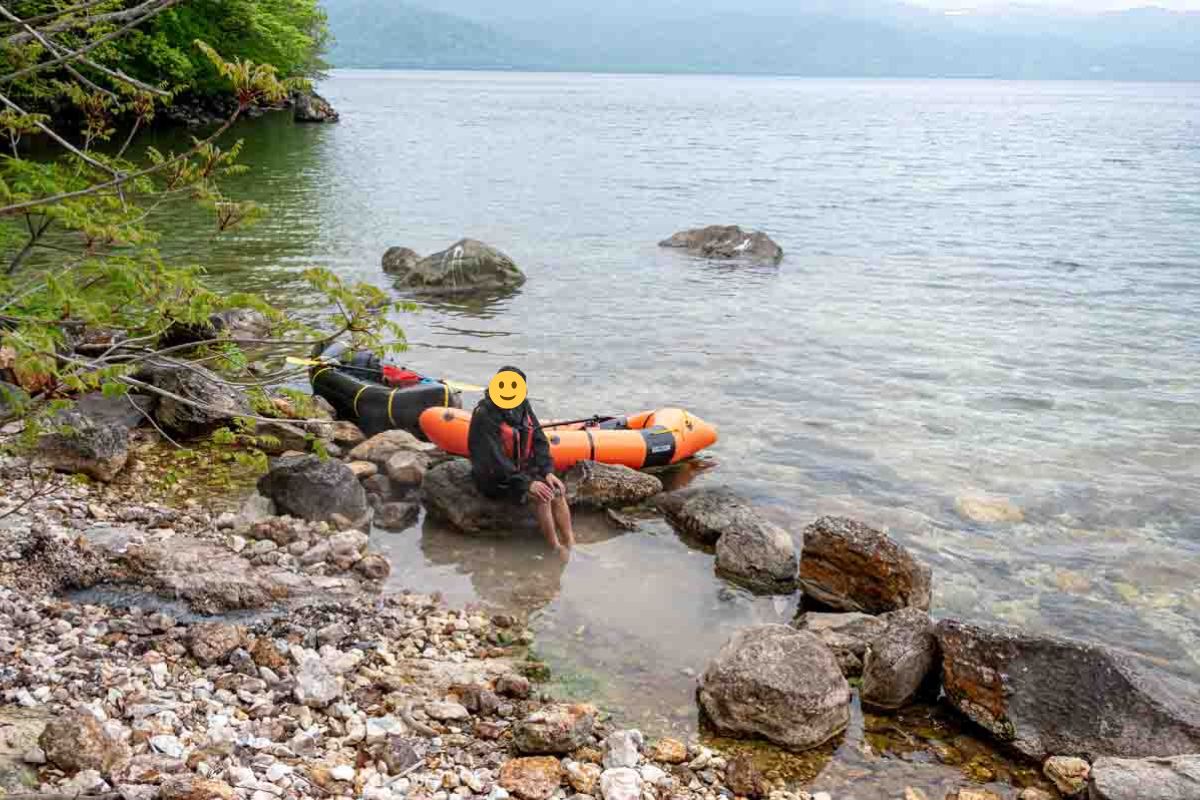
564, 553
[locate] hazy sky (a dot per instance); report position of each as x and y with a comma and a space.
1075, 5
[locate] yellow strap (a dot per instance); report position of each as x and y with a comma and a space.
446, 402
319, 373
391, 395
360, 391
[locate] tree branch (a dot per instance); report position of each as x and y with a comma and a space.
46, 129
124, 15
62, 12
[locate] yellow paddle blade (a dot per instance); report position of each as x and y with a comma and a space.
303, 362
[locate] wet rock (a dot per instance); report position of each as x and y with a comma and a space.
400, 260
77, 741
745, 779
310, 107
1069, 774
850, 566
276, 437
900, 660
703, 515
758, 555
1173, 778
450, 494
317, 490
621, 783
193, 787
668, 751
846, 634
212, 642
726, 242
622, 749
533, 778
988, 509
555, 729
397, 516
406, 468
382, 446
594, 485
316, 686
1048, 695
99, 450
217, 403
778, 683
466, 266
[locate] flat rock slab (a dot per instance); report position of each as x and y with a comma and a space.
849, 566
1049, 696
1175, 778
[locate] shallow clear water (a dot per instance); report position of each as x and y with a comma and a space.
990, 289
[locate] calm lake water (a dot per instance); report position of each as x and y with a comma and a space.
990, 289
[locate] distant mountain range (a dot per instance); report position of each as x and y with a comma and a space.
826, 38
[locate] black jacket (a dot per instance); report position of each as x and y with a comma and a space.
495, 472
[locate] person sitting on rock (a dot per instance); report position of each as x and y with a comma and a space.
510, 457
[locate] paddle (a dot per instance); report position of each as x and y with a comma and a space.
308, 362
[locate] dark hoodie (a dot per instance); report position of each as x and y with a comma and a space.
508, 448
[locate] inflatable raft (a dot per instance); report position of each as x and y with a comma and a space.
647, 439
355, 384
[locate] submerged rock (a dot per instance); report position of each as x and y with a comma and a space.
898, 662
400, 260
1174, 778
850, 566
726, 241
701, 514
778, 683
314, 489
745, 779
466, 266
1049, 696
201, 401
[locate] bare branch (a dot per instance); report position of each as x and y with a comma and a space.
62, 12
119, 32
46, 129
124, 15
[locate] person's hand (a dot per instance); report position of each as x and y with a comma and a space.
558, 486
541, 492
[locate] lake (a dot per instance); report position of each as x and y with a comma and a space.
990, 299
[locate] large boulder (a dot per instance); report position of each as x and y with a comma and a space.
449, 494
98, 449
400, 260
382, 446
726, 241
778, 683
77, 741
900, 660
1176, 778
467, 266
1051, 696
199, 402
311, 107
849, 566
314, 489
751, 551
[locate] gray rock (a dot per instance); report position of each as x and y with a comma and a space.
726, 242
382, 446
778, 683
622, 749
277, 437
466, 266
1050, 696
900, 660
316, 490
849, 566
373, 567
397, 516
311, 107
400, 260
316, 686
97, 449
129, 411
846, 634
758, 555
554, 730
220, 403
406, 468
449, 494
241, 324
703, 515
1174, 778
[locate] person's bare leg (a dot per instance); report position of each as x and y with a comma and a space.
562, 518
545, 520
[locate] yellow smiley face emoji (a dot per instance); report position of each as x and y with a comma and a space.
507, 389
